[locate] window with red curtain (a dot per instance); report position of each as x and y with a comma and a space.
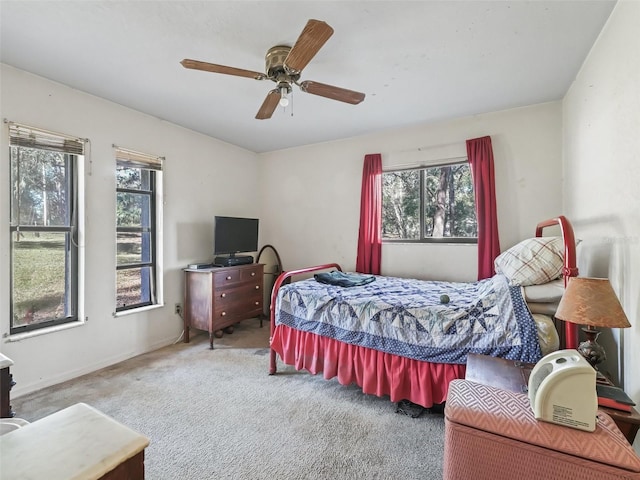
370, 233
480, 155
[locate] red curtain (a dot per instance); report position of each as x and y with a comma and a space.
370, 234
480, 155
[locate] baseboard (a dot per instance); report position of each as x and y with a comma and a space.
21, 389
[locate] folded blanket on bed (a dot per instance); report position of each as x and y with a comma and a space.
342, 279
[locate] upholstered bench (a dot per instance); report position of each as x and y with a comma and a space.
492, 434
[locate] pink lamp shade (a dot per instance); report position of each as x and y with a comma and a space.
591, 301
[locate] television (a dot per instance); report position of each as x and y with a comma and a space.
235, 235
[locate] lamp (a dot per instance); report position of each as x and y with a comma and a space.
591, 302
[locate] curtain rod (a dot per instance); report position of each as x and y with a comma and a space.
441, 162
430, 147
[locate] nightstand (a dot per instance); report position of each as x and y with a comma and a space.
6, 383
627, 422
514, 376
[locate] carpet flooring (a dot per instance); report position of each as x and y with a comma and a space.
217, 414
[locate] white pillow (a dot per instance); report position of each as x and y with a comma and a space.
545, 293
547, 334
533, 261
543, 308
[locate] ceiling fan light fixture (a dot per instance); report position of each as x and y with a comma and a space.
284, 101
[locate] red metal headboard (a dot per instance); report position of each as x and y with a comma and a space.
570, 268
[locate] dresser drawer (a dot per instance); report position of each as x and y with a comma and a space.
248, 274
231, 276
226, 277
238, 307
235, 295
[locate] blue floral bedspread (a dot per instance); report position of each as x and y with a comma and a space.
405, 317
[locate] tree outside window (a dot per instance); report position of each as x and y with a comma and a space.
137, 180
434, 204
43, 228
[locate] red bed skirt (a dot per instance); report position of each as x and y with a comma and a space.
377, 373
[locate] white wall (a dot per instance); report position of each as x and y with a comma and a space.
195, 189
311, 195
602, 176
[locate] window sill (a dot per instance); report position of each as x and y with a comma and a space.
43, 331
124, 313
444, 241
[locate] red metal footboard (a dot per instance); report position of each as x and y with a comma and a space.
286, 277
570, 267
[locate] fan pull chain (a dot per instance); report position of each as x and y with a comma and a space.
291, 100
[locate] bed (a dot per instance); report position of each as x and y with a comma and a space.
407, 339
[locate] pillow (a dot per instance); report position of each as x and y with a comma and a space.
543, 308
533, 261
547, 334
545, 293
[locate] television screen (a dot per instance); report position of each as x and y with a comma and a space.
234, 235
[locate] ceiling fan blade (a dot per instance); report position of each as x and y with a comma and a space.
212, 67
334, 93
269, 105
314, 35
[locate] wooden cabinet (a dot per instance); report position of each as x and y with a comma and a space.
627, 422
217, 298
76, 442
6, 383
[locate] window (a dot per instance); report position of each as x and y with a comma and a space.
434, 204
138, 181
44, 228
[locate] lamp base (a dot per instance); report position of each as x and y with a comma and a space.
592, 350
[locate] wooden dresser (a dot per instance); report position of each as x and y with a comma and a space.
217, 298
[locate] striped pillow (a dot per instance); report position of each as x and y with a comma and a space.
533, 261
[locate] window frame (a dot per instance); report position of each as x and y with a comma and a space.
72, 149
424, 239
153, 165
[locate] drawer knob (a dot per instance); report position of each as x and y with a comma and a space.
253, 274
223, 314
257, 303
257, 287
223, 295
229, 277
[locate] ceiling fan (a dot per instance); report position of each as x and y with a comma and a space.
283, 66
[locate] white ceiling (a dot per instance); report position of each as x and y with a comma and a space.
416, 61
